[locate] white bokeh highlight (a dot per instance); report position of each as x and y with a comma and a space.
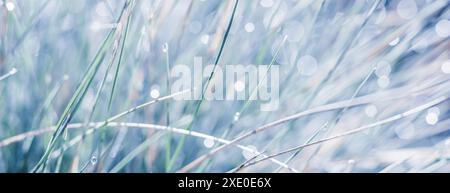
371, 110
154, 92
307, 65
266, 3
442, 28
445, 67
10, 6
208, 143
383, 81
407, 9
249, 27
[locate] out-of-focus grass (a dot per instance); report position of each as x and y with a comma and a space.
77, 76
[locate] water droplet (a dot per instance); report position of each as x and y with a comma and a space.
13, 71
154, 93
237, 115
208, 142
371, 110
442, 28
394, 42
165, 47
407, 9
248, 154
432, 118
249, 27
307, 65
93, 160
266, 3
446, 67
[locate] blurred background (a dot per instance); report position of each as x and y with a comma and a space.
379, 68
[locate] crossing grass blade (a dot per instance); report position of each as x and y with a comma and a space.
76, 99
